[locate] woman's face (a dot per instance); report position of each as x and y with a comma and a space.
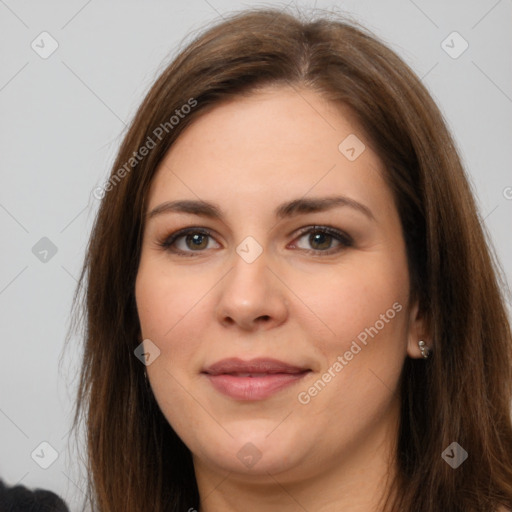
293, 253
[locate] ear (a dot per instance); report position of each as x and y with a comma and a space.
417, 330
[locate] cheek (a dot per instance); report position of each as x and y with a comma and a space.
367, 290
363, 349
365, 306
162, 298
172, 314
168, 309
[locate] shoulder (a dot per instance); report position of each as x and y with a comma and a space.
21, 499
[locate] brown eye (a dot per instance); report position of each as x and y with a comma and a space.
188, 241
323, 240
320, 240
197, 241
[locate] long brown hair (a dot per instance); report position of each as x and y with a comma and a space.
462, 393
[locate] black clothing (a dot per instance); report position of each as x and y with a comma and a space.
21, 499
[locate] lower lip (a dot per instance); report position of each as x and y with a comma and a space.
253, 388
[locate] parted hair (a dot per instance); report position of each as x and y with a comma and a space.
462, 393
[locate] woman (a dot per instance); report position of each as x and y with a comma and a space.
290, 302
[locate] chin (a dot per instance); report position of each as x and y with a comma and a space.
259, 453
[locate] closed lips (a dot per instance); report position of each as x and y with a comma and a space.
257, 379
253, 368
253, 374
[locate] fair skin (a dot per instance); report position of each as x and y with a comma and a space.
304, 300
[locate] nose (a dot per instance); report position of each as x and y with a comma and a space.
251, 296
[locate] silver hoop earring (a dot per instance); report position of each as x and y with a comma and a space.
425, 352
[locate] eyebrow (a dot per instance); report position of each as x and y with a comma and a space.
285, 210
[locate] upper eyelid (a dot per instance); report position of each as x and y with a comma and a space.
340, 235
301, 231
180, 233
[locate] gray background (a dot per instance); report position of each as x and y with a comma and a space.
63, 117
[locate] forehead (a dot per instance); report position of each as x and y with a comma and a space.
277, 143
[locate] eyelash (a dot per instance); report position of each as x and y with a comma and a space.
344, 240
